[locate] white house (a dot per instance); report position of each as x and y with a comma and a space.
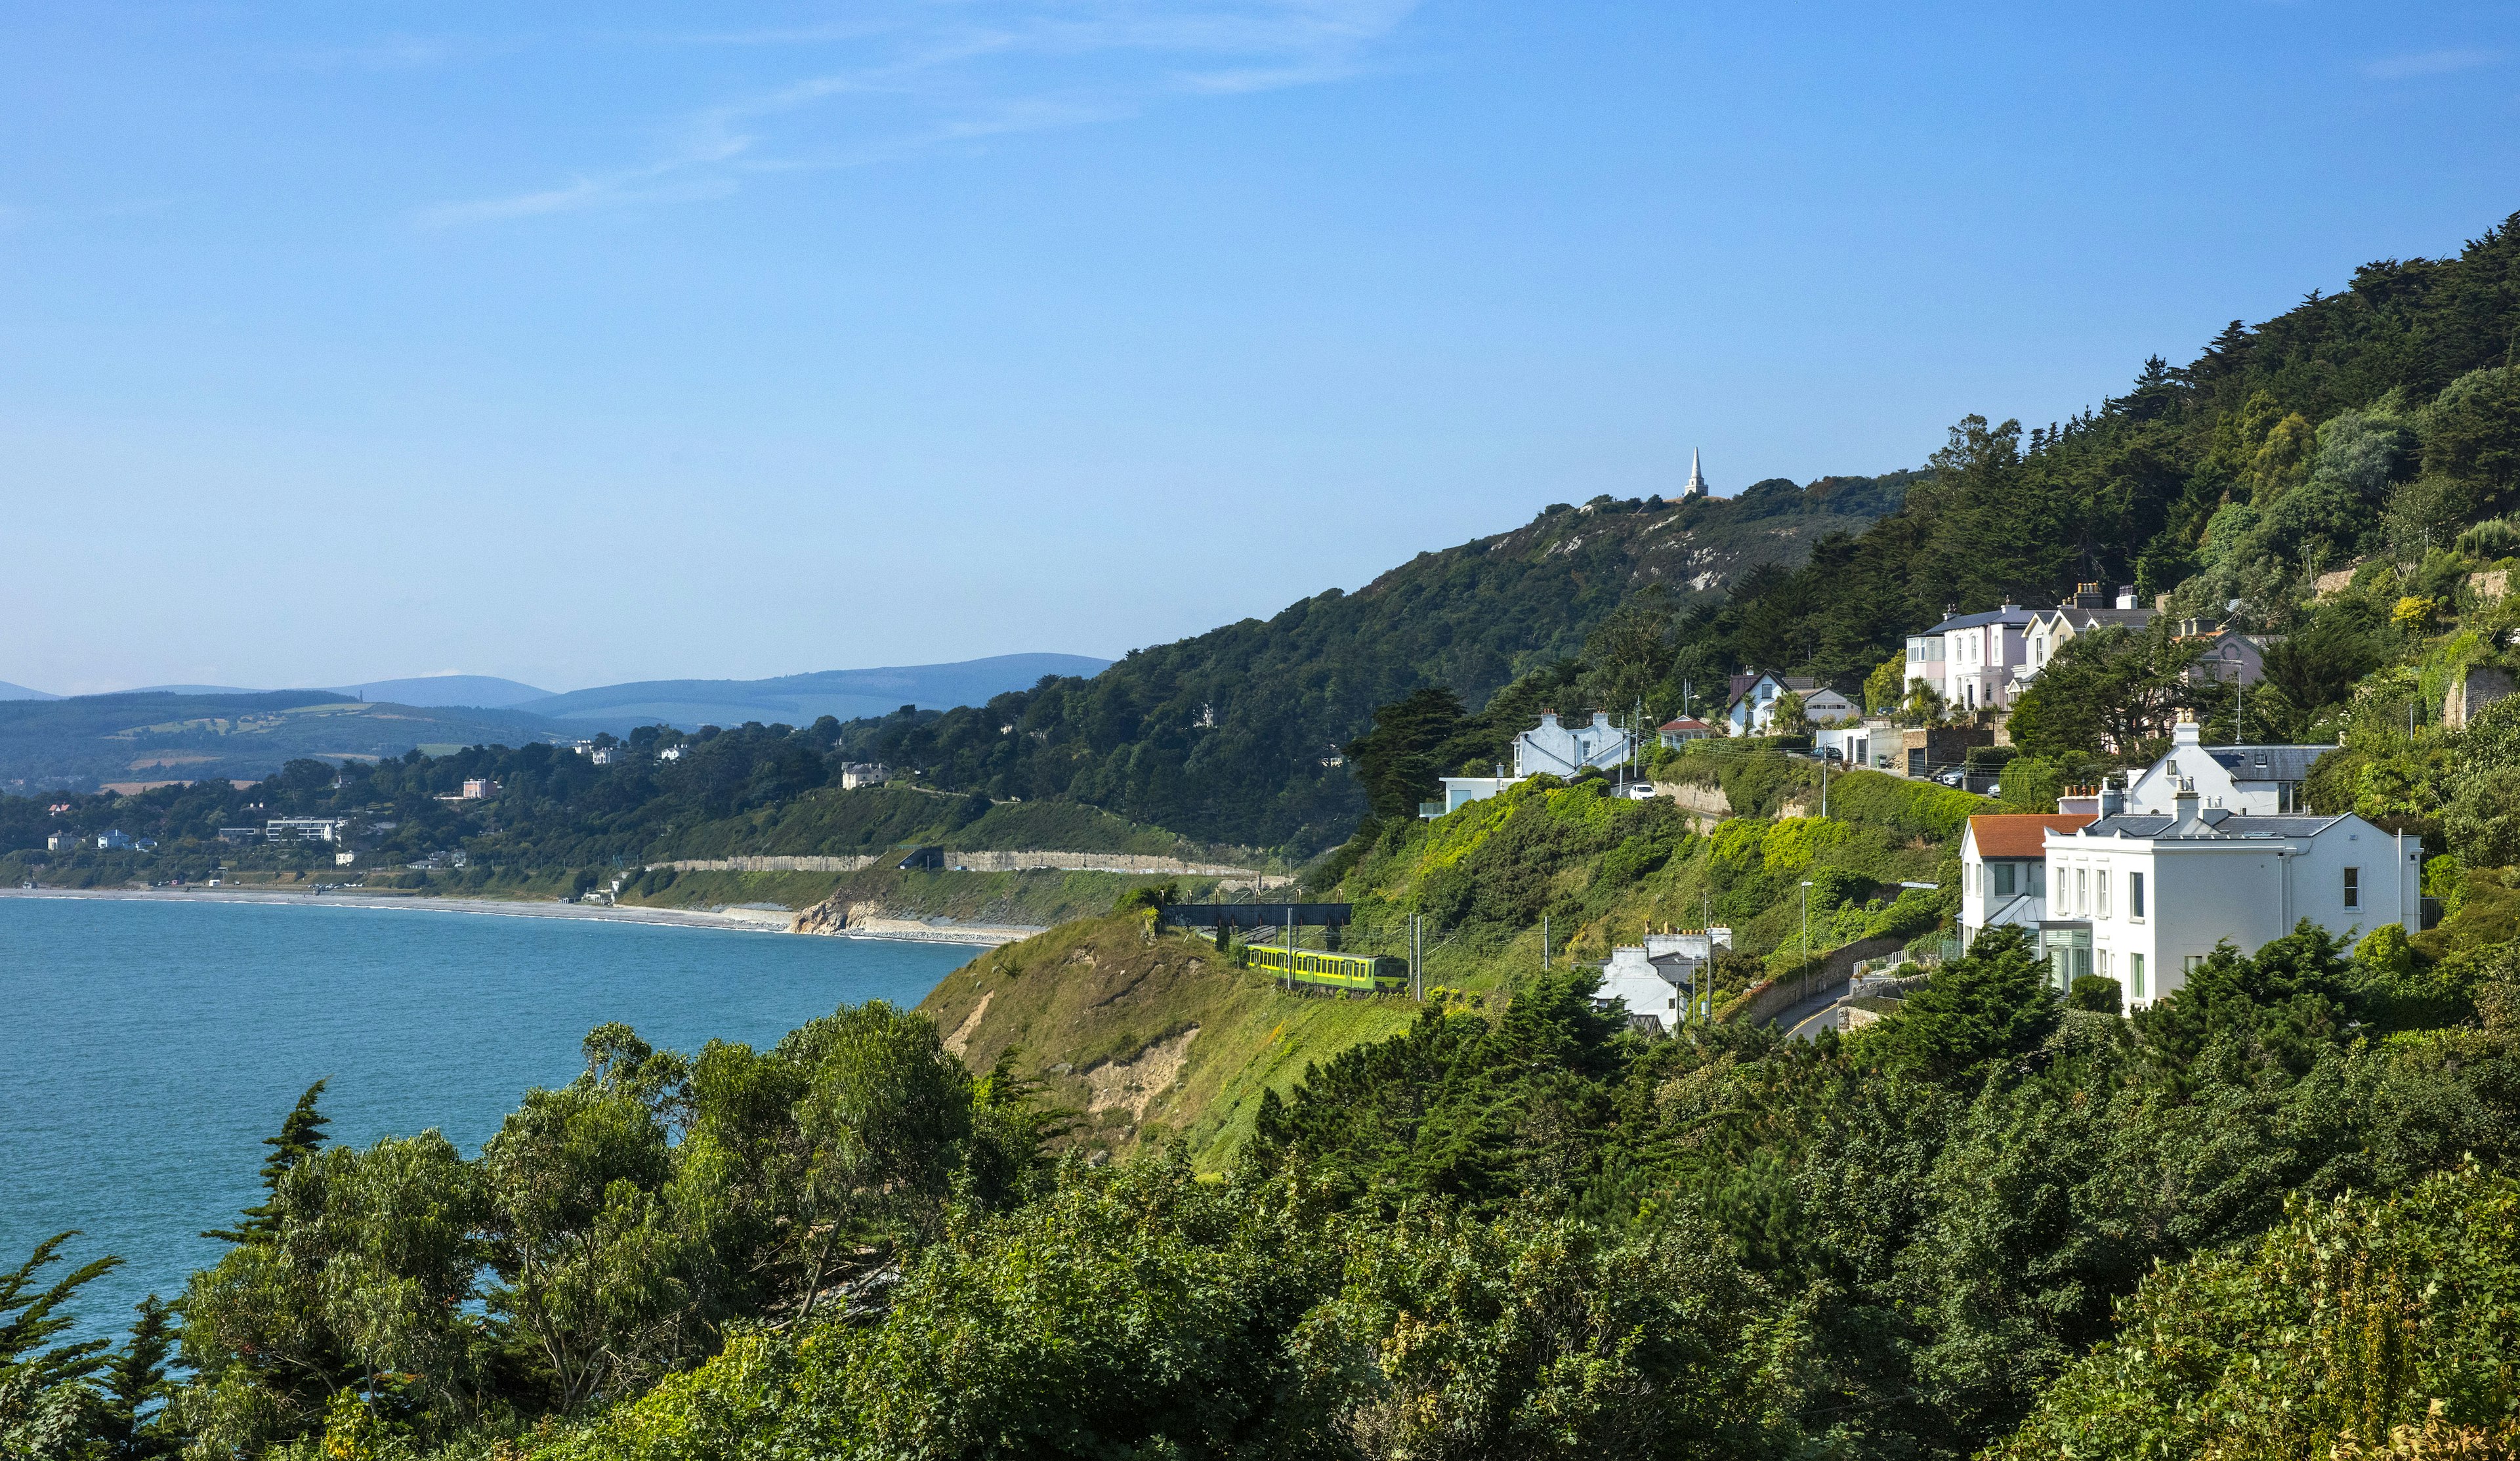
1979, 653
1659, 980
2142, 899
1678, 733
112, 841
1548, 749
856, 774
2004, 870
2258, 780
1752, 708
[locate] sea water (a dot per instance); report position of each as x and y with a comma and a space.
147, 1048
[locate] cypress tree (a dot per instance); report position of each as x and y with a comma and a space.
134, 1379
300, 1136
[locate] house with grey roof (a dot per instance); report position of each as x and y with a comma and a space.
2144, 897
1974, 655
2258, 780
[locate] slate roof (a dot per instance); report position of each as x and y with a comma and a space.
2267, 762
2211, 823
2014, 616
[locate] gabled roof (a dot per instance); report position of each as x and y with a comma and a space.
1750, 683
1684, 722
2021, 833
2267, 762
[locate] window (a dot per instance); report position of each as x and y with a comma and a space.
2353, 887
2083, 890
2104, 893
2135, 973
2104, 963
2038, 880
2134, 896
2189, 965
2004, 873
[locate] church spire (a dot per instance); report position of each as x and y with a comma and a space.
1697, 480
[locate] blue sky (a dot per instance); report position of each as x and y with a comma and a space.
581, 344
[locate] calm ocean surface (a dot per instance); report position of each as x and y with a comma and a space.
147, 1048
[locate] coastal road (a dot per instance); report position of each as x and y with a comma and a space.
1802, 1021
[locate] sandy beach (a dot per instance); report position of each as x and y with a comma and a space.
747, 920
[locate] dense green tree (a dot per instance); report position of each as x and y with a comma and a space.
1992, 1002
2108, 690
49, 1407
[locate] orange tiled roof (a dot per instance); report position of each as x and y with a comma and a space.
2022, 834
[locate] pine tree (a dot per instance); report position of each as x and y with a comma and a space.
46, 1400
300, 1136
134, 1380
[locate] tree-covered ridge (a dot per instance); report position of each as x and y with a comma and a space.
1235, 736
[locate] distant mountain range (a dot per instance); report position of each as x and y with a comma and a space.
186, 732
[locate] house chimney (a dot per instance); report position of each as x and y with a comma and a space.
2112, 795
2126, 596
2183, 804
1548, 718
2186, 732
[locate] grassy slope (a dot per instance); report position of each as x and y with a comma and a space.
1101, 989
1104, 990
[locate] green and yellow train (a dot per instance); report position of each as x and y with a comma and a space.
1362, 974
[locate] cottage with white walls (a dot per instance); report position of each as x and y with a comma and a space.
2258, 780
2004, 870
1752, 710
1678, 733
2142, 899
1548, 749
1657, 980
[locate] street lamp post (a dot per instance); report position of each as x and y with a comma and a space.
1807, 932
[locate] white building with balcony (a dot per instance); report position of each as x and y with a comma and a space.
2142, 899
2004, 870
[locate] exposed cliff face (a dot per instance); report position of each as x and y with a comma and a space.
1147, 1037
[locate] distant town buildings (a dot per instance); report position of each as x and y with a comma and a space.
480, 788
305, 829
112, 841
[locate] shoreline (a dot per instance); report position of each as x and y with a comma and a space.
738, 919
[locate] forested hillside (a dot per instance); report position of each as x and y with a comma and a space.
1235, 736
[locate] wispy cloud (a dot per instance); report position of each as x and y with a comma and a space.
2429, 63
916, 77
